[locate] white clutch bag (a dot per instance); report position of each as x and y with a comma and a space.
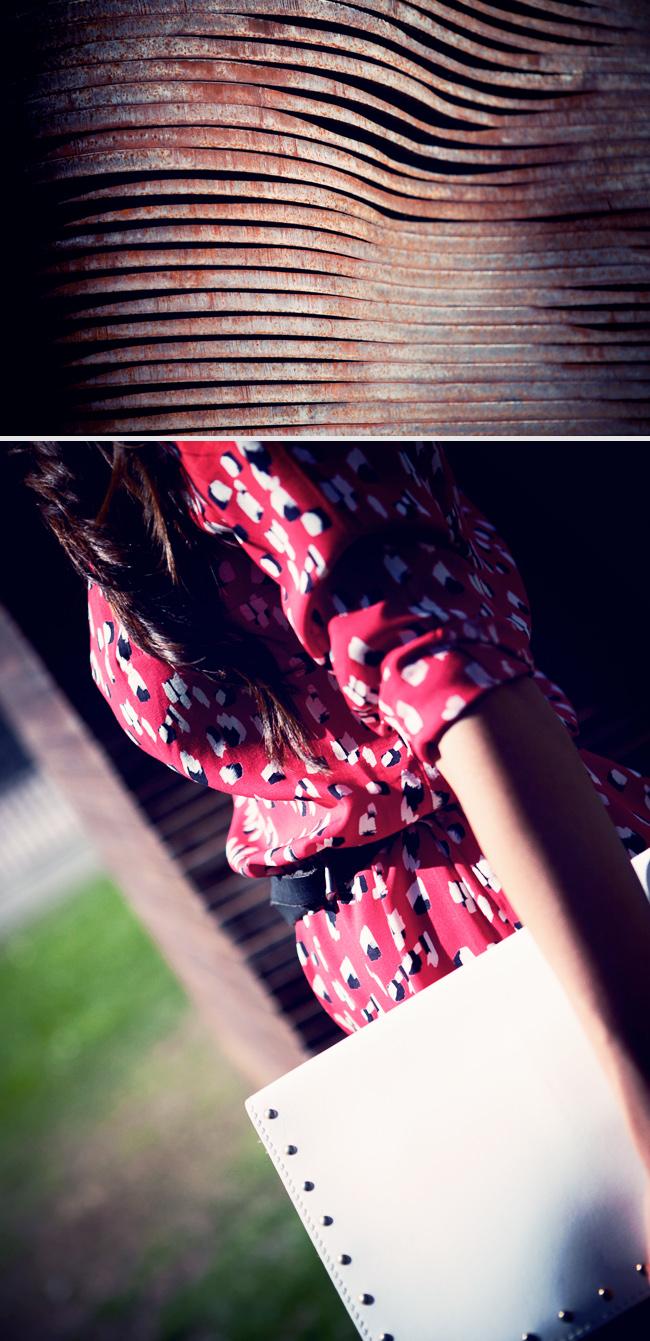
462, 1166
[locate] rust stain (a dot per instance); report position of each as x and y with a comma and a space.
274, 216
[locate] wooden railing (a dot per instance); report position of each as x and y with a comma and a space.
212, 967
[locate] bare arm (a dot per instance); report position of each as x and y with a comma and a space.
547, 835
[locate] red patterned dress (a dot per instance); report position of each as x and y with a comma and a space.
389, 604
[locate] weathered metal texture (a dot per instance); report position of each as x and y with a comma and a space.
286, 215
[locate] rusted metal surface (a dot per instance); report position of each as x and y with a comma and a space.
278, 216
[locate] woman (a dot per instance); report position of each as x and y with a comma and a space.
336, 636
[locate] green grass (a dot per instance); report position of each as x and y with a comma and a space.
110, 1089
82, 993
263, 1281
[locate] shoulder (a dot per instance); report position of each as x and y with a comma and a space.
301, 505
317, 487
298, 508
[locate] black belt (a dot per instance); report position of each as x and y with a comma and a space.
305, 889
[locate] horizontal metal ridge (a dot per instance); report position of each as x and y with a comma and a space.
271, 216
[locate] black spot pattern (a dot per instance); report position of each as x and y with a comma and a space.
431, 614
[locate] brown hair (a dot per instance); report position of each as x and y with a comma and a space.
122, 513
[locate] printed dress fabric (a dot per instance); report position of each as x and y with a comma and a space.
389, 604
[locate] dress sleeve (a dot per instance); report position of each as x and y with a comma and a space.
194, 726
387, 574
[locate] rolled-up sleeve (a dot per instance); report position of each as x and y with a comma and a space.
432, 643
388, 575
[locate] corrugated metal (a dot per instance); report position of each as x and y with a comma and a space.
269, 216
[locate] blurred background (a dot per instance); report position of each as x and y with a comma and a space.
145, 990
135, 1199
